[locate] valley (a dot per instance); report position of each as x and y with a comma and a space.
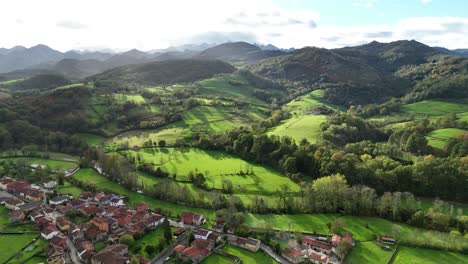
269, 151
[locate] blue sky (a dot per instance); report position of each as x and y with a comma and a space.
153, 24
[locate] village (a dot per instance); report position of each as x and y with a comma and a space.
109, 219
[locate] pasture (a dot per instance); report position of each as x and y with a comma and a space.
55, 165
433, 108
258, 257
10, 244
92, 139
310, 223
300, 127
368, 252
217, 166
438, 138
413, 255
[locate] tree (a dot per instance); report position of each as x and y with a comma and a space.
343, 248
60, 179
127, 240
167, 230
329, 191
134, 260
162, 143
150, 249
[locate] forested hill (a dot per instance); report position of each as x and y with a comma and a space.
364, 74
238, 51
162, 72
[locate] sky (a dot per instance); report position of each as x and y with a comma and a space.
156, 24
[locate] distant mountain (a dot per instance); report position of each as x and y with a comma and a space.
20, 57
161, 73
238, 51
457, 52
185, 47
351, 75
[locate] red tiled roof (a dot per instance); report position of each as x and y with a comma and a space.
316, 243
292, 252
319, 257
179, 248
195, 251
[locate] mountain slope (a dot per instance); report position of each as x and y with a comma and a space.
238, 51
162, 73
351, 75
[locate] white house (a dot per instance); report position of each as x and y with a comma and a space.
201, 233
58, 200
49, 232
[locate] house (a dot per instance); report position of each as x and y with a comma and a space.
317, 245
318, 258
219, 226
63, 208
199, 243
27, 207
84, 246
35, 214
35, 195
76, 204
215, 237
4, 183
142, 207
61, 199
49, 232
348, 237
153, 221
190, 218
251, 244
388, 240
116, 202
94, 234
13, 203
58, 241
62, 223
16, 216
89, 210
50, 184
56, 255
86, 196
101, 223
201, 233
115, 254
293, 254
194, 253
17, 186
336, 239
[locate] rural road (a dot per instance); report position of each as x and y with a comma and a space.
161, 257
73, 252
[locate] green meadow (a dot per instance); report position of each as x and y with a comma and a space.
368, 252
413, 255
216, 166
56, 165
434, 108
438, 138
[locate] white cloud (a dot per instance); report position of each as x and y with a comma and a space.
426, 1
151, 24
365, 3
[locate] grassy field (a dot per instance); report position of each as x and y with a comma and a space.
438, 138
169, 133
300, 127
368, 252
313, 223
217, 259
216, 166
248, 256
149, 238
9, 244
92, 139
55, 165
70, 189
432, 108
412, 255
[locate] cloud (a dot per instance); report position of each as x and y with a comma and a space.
70, 24
425, 1
381, 34
365, 3
219, 37
19, 21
